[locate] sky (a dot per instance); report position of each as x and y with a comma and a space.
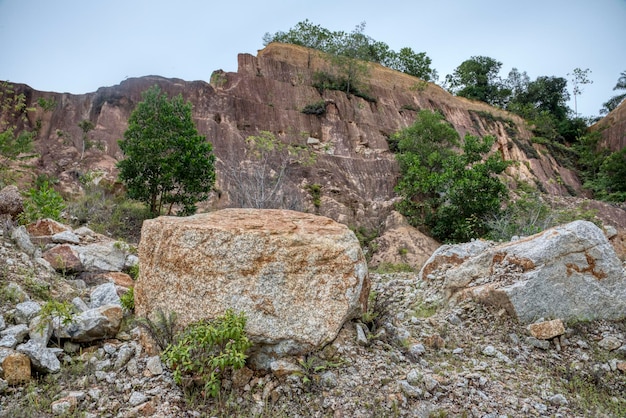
77, 46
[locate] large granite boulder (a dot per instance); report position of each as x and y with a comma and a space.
569, 272
298, 277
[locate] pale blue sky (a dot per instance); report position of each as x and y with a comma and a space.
77, 46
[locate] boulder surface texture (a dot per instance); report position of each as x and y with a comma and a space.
569, 272
298, 277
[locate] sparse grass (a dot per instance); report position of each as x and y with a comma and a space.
386, 268
425, 309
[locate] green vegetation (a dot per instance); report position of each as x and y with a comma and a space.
162, 329
386, 268
450, 193
614, 101
317, 108
105, 210
42, 202
355, 46
167, 163
128, 300
259, 180
316, 194
206, 350
13, 147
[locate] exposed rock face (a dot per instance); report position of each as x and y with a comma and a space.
568, 272
402, 244
354, 167
298, 277
612, 127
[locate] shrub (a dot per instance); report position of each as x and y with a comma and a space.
128, 300
207, 349
161, 330
42, 202
317, 108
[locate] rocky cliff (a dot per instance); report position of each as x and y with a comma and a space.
354, 167
613, 128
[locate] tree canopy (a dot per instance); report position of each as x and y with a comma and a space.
356, 45
167, 162
451, 193
478, 79
614, 101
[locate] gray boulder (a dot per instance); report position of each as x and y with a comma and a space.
105, 294
94, 324
26, 311
107, 256
11, 201
569, 272
21, 238
43, 359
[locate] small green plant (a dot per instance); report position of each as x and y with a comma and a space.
128, 300
387, 267
133, 271
316, 194
425, 309
207, 349
55, 310
161, 330
370, 314
317, 108
43, 202
36, 288
47, 105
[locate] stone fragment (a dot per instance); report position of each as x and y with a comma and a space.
542, 344
284, 367
66, 237
621, 366
410, 391
64, 406
106, 256
558, 400
610, 343
26, 311
19, 332
45, 227
94, 324
124, 354
40, 332
3, 324
11, 201
43, 359
547, 330
435, 342
154, 366
63, 258
298, 277
105, 294
241, 377
16, 368
361, 337
137, 398
22, 240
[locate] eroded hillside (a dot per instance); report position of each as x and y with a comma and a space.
353, 166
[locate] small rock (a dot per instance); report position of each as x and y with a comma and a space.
26, 311
66, 237
19, 332
489, 351
3, 324
64, 259
430, 383
414, 377
105, 294
132, 367
329, 379
458, 351
16, 368
79, 304
124, 354
455, 320
4, 385
361, 338
241, 377
547, 330
154, 366
621, 366
22, 240
43, 359
417, 350
558, 400
283, 367
610, 343
434, 341
64, 406
542, 344
410, 391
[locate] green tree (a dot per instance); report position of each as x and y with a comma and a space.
167, 162
451, 193
477, 79
15, 144
579, 78
355, 46
614, 101
86, 126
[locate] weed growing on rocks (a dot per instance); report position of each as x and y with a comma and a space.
206, 350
